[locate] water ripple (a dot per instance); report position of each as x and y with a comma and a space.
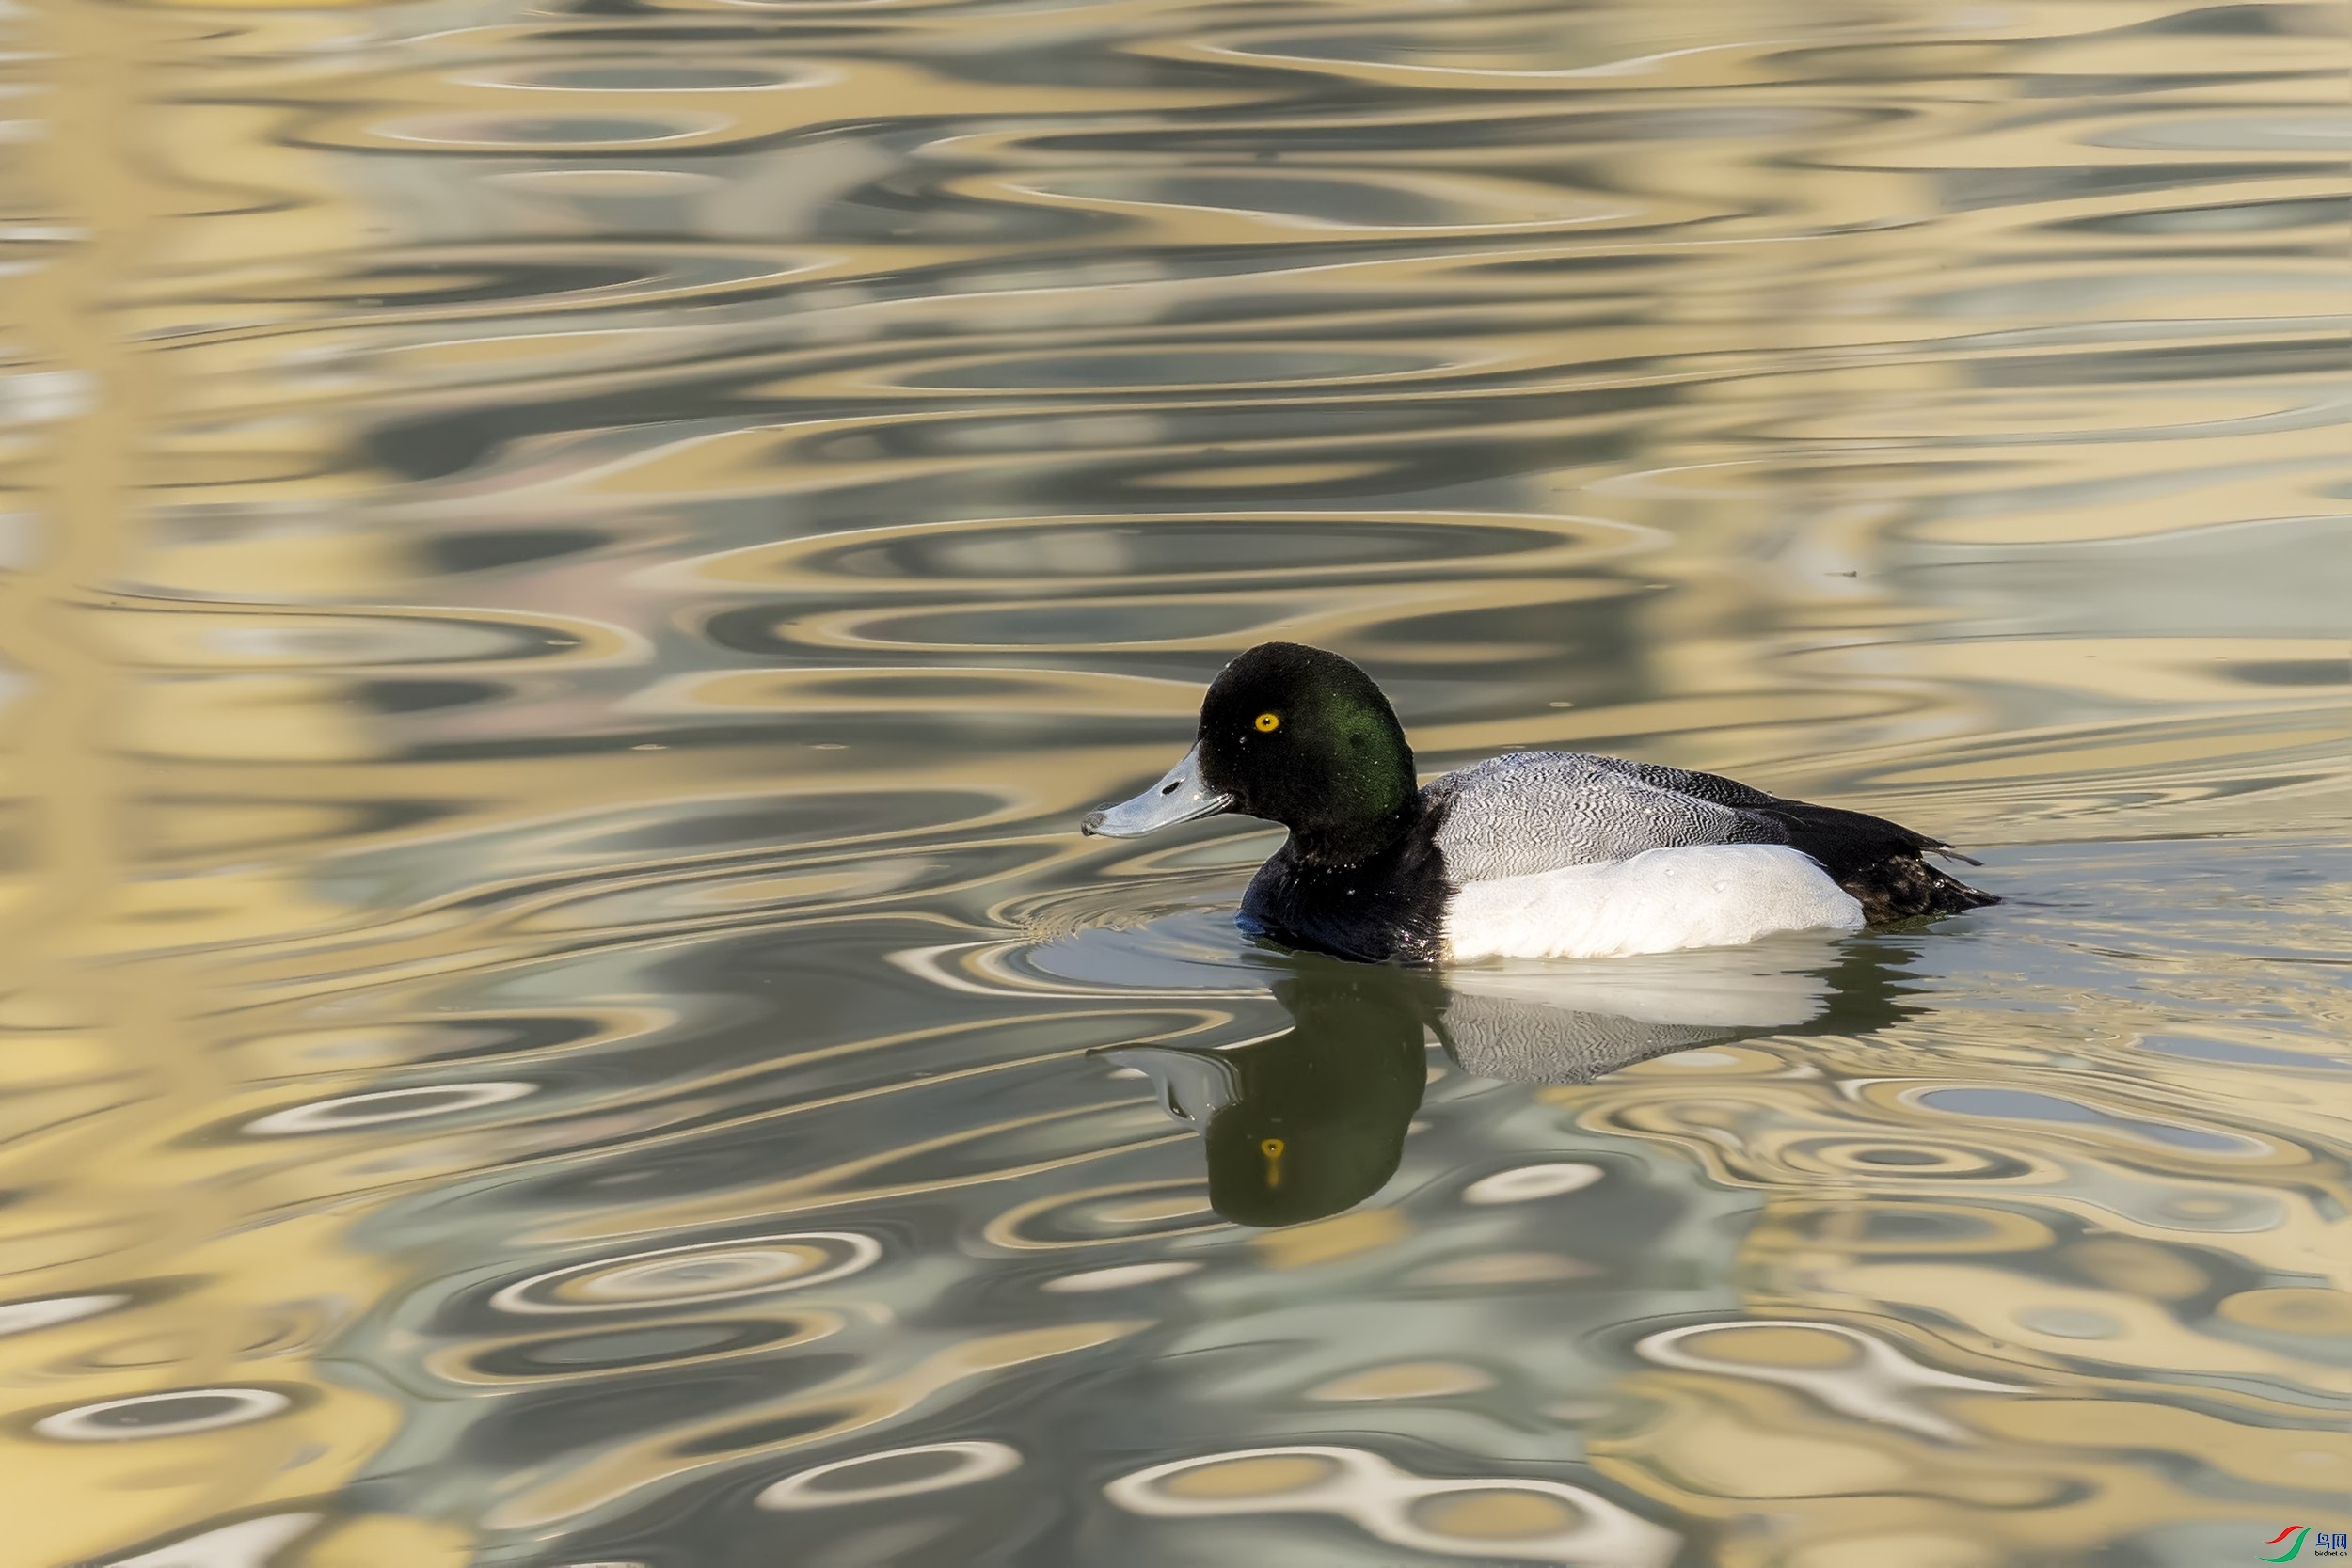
579, 566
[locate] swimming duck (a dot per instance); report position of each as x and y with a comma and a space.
1533, 854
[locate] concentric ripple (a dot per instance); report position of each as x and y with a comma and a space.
693, 1275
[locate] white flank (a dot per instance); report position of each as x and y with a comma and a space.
1657, 901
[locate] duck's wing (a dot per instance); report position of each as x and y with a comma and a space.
1702, 787
1532, 812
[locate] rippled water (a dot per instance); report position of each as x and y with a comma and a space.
577, 564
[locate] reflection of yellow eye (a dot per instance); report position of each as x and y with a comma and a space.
1269, 722
1272, 1147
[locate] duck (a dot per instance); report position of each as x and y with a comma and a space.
1527, 855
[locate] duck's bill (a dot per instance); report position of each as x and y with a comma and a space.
1179, 797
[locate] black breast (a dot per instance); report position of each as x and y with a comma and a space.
1387, 908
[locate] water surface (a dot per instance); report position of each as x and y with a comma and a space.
577, 564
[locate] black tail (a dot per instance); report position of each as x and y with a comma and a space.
1878, 861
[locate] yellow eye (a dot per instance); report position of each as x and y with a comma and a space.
1269, 722
1272, 1147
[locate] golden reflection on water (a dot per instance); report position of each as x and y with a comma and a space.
574, 567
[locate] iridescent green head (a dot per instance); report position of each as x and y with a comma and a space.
1294, 734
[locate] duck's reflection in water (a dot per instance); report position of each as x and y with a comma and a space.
1308, 1122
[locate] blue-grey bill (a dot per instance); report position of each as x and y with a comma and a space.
1179, 797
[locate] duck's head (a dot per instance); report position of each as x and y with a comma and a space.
1293, 734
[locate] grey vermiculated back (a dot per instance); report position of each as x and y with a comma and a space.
1705, 786
1537, 811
